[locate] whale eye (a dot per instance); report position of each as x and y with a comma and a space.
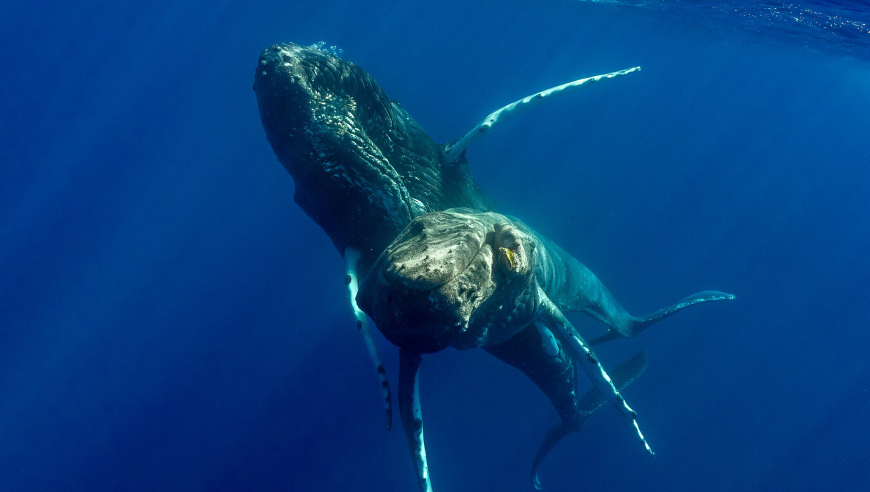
416, 228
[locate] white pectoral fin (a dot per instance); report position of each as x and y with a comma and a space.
351, 257
586, 359
412, 415
453, 151
622, 376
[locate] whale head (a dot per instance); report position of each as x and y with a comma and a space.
362, 167
453, 278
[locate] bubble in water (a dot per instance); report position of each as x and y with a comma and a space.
332, 50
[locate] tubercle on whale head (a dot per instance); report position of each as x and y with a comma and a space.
311, 103
447, 280
404, 291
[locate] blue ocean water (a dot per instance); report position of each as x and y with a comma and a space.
171, 320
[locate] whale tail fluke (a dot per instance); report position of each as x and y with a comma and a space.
637, 324
622, 376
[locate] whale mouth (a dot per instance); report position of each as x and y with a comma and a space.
446, 280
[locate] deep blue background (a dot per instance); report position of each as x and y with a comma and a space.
170, 320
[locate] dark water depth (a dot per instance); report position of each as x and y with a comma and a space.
171, 320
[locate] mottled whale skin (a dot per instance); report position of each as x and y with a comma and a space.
362, 167
378, 185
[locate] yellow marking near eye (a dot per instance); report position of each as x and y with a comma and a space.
510, 257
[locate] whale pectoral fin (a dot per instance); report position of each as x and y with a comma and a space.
549, 314
622, 376
412, 415
454, 150
351, 256
638, 324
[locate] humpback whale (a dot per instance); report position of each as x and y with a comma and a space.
484, 280
437, 266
